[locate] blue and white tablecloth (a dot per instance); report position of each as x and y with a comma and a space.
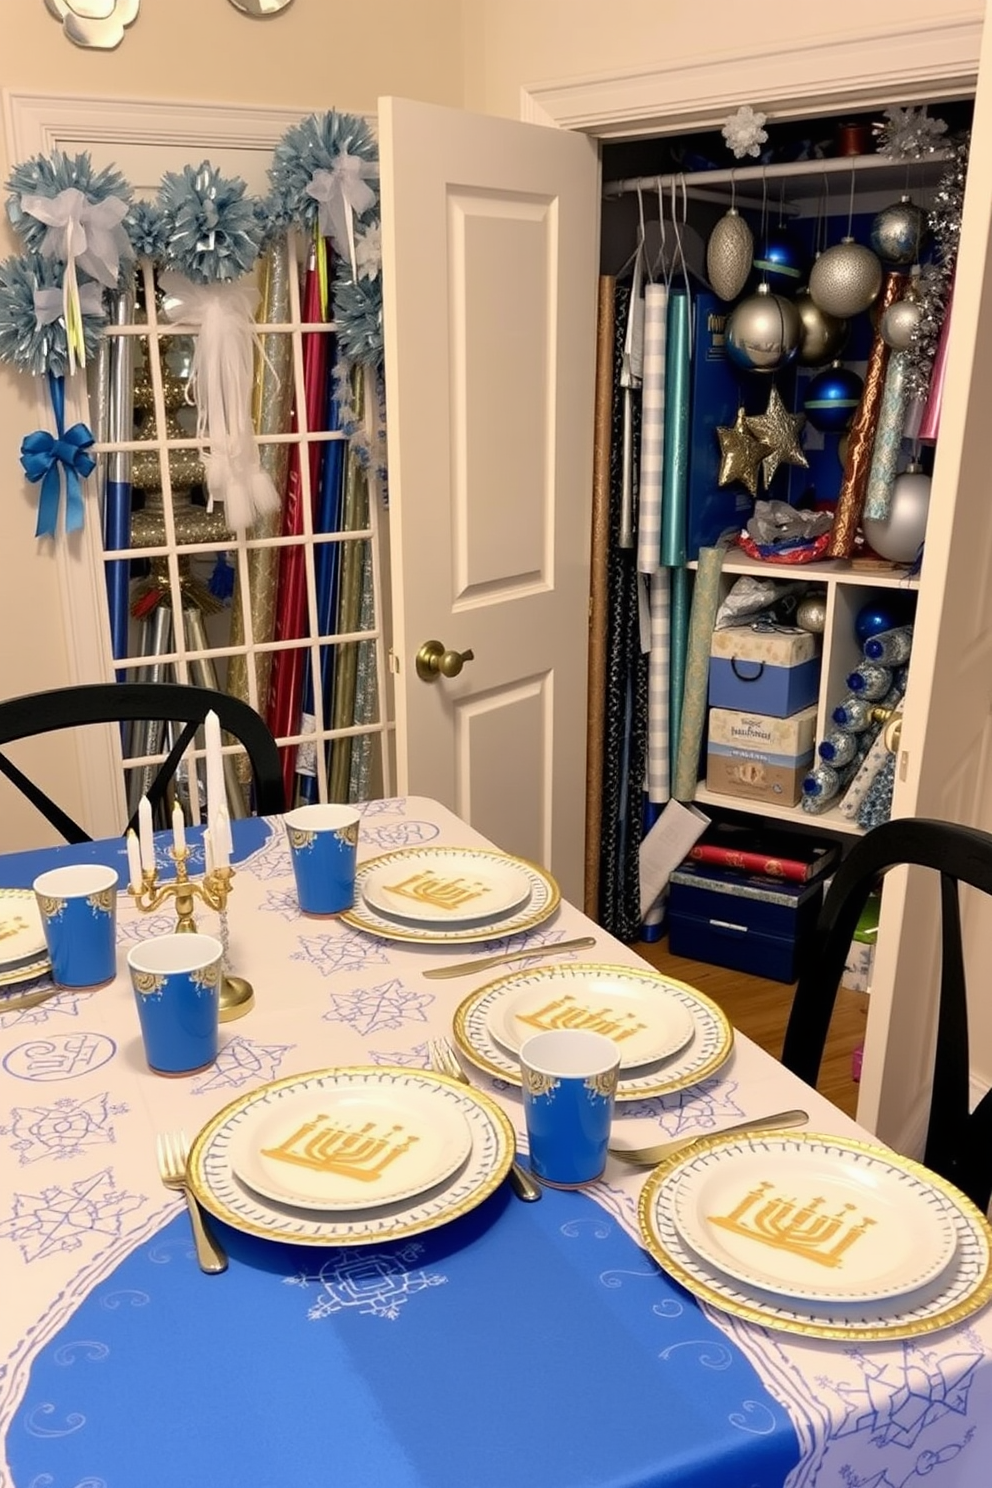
520, 1345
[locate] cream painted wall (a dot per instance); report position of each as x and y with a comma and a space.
512, 43
313, 56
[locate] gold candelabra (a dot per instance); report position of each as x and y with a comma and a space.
213, 889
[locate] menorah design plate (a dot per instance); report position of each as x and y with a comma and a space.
212, 1178
814, 1221
958, 1291
707, 1049
22, 935
542, 899
359, 1145
645, 1022
445, 886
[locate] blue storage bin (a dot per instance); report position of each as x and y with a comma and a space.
745, 922
764, 669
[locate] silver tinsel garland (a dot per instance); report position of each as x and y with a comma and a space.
935, 280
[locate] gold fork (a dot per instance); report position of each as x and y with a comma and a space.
650, 1157
444, 1061
173, 1151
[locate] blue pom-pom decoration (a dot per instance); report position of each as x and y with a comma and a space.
28, 346
145, 226
213, 232
357, 310
48, 175
313, 145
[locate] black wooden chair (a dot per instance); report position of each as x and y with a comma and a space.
124, 702
959, 1141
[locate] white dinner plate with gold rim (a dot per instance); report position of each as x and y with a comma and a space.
816, 1222
25, 971
22, 935
543, 900
446, 887
645, 1023
359, 1147
213, 1181
709, 1046
956, 1294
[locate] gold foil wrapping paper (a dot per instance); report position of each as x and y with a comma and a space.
271, 409
861, 442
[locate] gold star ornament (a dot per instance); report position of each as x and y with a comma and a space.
779, 431
740, 454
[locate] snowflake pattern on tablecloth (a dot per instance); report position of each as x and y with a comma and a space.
67, 1003
378, 1282
67, 1129
64, 1056
345, 950
390, 835
392, 806
60, 1218
144, 927
241, 1061
373, 1009
271, 860
702, 1109
419, 1057
899, 1400
283, 902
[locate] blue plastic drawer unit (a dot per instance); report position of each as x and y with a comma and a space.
764, 669
749, 923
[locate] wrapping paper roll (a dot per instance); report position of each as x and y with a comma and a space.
705, 602
366, 691
271, 409
861, 440
676, 474
658, 778
652, 430
598, 592
930, 422
856, 792
355, 517
679, 630
877, 804
117, 352
888, 439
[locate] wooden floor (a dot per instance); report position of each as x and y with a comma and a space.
760, 1008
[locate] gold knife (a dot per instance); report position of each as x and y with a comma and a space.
483, 963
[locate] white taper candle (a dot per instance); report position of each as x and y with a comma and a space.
216, 793
178, 829
145, 835
133, 860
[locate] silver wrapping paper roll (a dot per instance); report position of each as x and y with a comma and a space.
888, 439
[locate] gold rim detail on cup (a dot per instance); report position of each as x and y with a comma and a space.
604, 1084
298, 839
147, 982
102, 902
50, 908
206, 976
349, 834
537, 1083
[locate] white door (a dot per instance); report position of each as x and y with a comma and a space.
945, 760
490, 237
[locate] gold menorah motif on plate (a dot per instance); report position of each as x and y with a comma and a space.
440, 893
11, 927
567, 1012
327, 1147
802, 1229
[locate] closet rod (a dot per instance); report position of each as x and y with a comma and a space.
735, 174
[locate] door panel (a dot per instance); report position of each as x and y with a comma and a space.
490, 232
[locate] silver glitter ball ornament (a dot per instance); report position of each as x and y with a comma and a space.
823, 336
898, 536
728, 255
811, 613
898, 231
898, 324
845, 279
763, 332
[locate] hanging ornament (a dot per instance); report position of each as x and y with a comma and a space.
878, 615
898, 233
728, 255
899, 536
781, 261
740, 454
823, 336
899, 324
832, 397
811, 613
763, 332
779, 430
846, 278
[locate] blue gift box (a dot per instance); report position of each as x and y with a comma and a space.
745, 922
767, 669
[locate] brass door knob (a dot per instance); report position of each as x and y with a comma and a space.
434, 661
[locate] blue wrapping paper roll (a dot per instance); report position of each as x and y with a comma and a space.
676, 473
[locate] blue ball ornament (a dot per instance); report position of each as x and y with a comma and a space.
874, 617
831, 398
781, 261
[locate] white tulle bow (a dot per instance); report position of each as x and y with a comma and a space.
221, 382
342, 194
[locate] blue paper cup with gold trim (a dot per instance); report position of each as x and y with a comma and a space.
569, 1081
323, 844
176, 981
78, 905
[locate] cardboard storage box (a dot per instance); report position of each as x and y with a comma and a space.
759, 756
750, 924
770, 670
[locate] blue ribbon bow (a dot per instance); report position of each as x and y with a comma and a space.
42, 454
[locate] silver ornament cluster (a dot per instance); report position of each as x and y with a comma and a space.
897, 233
899, 324
846, 278
728, 255
823, 336
763, 332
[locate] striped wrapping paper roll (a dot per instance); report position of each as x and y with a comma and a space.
705, 602
652, 430
658, 780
